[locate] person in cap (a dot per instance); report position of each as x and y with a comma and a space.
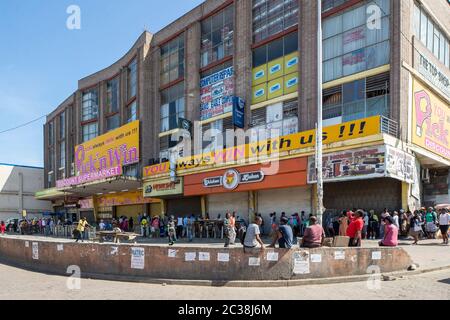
391, 233
79, 232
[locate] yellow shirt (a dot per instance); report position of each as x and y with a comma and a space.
81, 225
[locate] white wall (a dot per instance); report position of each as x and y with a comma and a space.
33, 181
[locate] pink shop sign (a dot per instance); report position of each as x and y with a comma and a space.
89, 177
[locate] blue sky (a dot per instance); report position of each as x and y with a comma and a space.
41, 60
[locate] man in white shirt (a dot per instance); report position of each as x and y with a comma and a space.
252, 237
444, 221
179, 227
395, 218
102, 225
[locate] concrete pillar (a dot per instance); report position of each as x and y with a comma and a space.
192, 75
203, 203
243, 53
405, 195
307, 101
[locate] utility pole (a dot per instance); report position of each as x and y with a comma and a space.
319, 142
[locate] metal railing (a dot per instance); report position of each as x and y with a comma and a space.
389, 126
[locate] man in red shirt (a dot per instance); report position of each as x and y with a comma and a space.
355, 228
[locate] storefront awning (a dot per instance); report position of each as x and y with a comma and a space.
49, 194
429, 160
104, 186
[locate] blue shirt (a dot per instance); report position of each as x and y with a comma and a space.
287, 238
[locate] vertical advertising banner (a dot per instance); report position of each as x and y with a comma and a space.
430, 121
216, 94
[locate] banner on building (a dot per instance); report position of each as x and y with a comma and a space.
284, 144
164, 187
364, 163
104, 156
216, 94
238, 112
400, 165
430, 121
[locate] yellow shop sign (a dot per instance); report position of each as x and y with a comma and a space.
297, 141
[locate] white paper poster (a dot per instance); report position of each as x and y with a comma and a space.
35, 251
339, 255
27, 244
254, 262
60, 247
316, 258
137, 258
203, 256
114, 251
223, 257
172, 253
376, 255
190, 256
301, 262
272, 256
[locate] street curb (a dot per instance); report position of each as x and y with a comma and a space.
232, 284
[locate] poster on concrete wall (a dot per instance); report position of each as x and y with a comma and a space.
353, 164
137, 258
35, 250
301, 262
400, 165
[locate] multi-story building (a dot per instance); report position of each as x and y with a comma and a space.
386, 114
18, 185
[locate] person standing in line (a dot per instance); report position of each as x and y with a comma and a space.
233, 226
444, 222
431, 220
230, 232
2, 227
343, 225
366, 226
190, 227
382, 223
131, 224
354, 230
415, 226
395, 219
171, 231
273, 223
179, 227
144, 227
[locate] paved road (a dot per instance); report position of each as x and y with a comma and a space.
21, 284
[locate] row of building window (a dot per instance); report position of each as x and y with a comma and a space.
431, 35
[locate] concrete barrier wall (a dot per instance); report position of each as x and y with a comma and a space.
116, 260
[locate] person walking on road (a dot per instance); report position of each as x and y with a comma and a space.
431, 220
80, 230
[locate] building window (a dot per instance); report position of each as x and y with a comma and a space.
51, 159
90, 131
113, 122
350, 47
214, 134
275, 69
331, 4
172, 107
62, 125
172, 60
51, 133
90, 105
356, 100
62, 154
279, 119
112, 96
132, 112
49, 179
273, 16
132, 79
217, 36
166, 145
431, 36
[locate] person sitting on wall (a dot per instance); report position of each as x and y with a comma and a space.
391, 233
314, 235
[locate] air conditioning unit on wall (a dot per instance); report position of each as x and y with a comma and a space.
425, 175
